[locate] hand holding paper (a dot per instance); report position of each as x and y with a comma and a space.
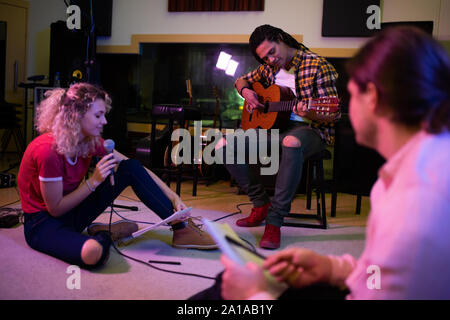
179, 215
241, 282
237, 259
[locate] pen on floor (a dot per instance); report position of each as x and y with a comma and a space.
165, 262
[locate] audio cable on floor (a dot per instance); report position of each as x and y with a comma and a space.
252, 247
150, 264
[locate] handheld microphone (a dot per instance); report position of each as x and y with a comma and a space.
109, 147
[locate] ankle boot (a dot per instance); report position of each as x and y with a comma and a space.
271, 237
119, 229
190, 235
256, 217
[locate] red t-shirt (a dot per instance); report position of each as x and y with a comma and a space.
41, 162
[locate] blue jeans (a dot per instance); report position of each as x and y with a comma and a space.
62, 238
288, 176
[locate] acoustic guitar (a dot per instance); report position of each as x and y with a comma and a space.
279, 102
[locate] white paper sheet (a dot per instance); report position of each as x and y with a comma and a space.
179, 215
219, 231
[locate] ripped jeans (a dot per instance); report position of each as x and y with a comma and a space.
289, 172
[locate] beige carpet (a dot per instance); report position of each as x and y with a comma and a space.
28, 274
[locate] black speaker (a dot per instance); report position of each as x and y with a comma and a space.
346, 18
67, 54
101, 15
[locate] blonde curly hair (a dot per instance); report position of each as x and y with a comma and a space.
61, 112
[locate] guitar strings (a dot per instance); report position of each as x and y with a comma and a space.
287, 105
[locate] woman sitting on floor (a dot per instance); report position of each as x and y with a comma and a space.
58, 205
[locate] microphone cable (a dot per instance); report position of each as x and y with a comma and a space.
215, 220
252, 247
147, 263
144, 262
234, 213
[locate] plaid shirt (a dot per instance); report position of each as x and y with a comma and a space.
314, 78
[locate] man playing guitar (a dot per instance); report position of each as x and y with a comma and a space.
287, 63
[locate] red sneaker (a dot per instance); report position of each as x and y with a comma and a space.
271, 237
255, 218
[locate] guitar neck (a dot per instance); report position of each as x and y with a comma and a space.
319, 104
278, 101
282, 106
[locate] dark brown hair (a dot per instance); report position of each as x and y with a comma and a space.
411, 72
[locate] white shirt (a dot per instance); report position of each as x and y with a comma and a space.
287, 79
407, 251
408, 232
